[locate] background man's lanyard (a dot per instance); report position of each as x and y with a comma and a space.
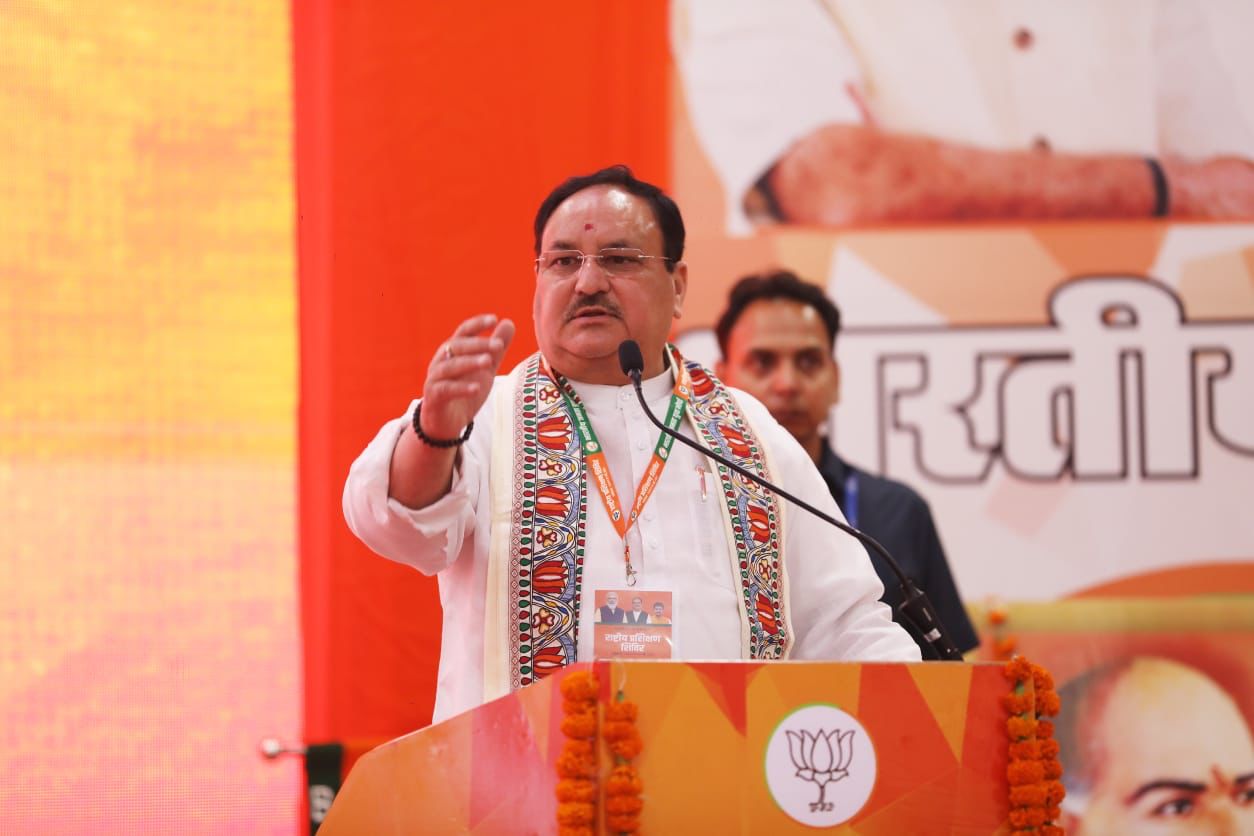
851, 499
594, 457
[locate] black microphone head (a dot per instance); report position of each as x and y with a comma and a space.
630, 360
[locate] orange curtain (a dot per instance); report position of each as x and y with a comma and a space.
426, 135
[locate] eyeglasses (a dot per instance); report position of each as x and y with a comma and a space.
615, 261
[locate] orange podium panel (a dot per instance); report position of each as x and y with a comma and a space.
728, 747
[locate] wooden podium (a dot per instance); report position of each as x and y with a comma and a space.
899, 748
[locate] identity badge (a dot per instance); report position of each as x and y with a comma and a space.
633, 624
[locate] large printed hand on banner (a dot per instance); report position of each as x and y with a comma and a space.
459, 376
842, 175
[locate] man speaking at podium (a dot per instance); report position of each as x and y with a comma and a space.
530, 492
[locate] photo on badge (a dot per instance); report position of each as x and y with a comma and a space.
633, 624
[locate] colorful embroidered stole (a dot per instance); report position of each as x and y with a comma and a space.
539, 514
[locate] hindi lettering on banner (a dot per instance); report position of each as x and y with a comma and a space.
1114, 386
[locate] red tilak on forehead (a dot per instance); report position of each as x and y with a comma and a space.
587, 227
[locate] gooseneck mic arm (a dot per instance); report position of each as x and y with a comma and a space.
915, 608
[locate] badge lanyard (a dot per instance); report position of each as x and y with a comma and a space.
594, 457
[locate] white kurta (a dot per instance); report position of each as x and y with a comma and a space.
678, 544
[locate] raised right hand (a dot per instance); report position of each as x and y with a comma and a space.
459, 376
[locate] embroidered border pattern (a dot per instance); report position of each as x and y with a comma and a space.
548, 528
754, 511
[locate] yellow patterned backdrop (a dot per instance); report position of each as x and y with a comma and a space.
147, 416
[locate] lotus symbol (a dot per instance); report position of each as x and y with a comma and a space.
822, 758
824, 754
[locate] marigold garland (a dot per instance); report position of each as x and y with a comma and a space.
1002, 643
623, 788
577, 791
577, 764
1034, 770
581, 725
624, 781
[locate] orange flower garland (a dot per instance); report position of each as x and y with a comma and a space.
1003, 642
623, 787
577, 764
1034, 770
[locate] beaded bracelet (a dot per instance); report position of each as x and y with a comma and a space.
439, 442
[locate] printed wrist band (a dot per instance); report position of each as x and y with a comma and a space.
1162, 195
438, 442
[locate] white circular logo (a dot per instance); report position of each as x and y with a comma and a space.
820, 766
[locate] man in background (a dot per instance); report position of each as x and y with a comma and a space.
777, 338
1149, 745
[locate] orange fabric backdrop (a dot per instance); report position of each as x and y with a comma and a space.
426, 135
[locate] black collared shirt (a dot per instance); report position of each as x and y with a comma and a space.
895, 515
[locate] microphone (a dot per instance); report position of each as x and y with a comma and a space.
630, 360
915, 607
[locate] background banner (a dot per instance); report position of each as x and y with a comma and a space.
1037, 224
1067, 380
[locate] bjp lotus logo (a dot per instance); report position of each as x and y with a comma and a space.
820, 765
822, 758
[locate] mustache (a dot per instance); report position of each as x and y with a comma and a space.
599, 300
